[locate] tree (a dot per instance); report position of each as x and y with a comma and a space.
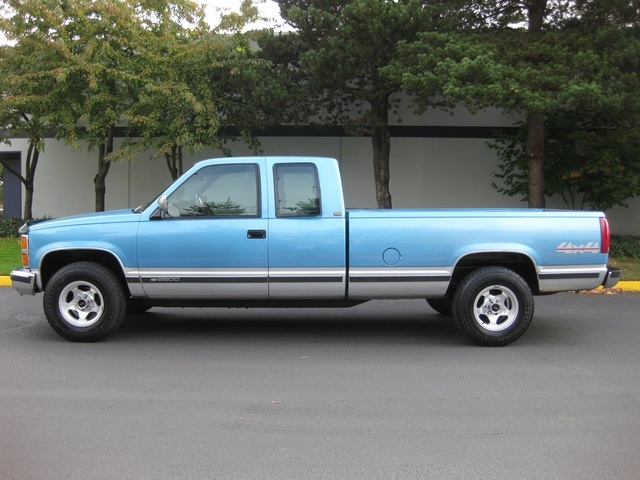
594, 169
555, 66
167, 112
220, 92
592, 147
29, 104
23, 111
592, 50
101, 52
338, 55
208, 78
112, 45
514, 71
534, 11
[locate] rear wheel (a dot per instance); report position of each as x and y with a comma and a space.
84, 302
493, 306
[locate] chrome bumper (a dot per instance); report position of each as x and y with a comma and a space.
612, 277
24, 281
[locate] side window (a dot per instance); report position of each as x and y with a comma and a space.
297, 190
218, 191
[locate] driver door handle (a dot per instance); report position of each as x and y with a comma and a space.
257, 234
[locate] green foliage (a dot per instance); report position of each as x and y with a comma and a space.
190, 119
590, 169
81, 67
344, 52
593, 146
625, 246
89, 60
340, 63
574, 81
309, 207
214, 82
9, 226
28, 103
228, 208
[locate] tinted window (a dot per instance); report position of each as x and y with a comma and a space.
218, 191
297, 191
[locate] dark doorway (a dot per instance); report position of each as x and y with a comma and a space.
11, 185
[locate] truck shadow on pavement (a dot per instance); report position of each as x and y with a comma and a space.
290, 325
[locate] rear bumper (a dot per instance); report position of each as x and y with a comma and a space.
24, 281
612, 277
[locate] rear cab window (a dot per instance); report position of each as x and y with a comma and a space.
297, 190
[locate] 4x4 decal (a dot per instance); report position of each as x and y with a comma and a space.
570, 248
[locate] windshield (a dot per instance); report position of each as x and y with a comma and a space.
143, 207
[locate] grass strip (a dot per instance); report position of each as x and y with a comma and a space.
9, 255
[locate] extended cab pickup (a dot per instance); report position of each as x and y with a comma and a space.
274, 231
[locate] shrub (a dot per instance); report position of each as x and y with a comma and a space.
9, 226
625, 246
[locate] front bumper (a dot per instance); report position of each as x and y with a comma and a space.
24, 281
612, 277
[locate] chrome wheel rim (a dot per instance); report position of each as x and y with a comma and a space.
81, 304
496, 308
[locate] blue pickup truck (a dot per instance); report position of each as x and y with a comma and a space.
274, 231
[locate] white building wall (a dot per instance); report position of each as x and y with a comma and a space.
425, 172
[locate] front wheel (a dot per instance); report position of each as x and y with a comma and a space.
84, 302
493, 306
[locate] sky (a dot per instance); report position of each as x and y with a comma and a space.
268, 9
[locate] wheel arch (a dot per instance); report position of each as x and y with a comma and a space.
519, 262
56, 259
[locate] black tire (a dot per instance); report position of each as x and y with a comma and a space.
84, 302
493, 306
441, 305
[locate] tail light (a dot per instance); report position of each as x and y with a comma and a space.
605, 237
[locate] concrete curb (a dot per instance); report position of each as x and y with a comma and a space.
624, 286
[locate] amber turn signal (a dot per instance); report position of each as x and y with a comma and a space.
24, 247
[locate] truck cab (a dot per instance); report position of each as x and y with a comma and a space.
260, 229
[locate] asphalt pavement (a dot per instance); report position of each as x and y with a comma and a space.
385, 390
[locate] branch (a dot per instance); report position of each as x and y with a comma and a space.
7, 167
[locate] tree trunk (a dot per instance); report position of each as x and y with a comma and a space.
33, 154
174, 162
535, 155
536, 10
32, 162
180, 169
103, 169
381, 151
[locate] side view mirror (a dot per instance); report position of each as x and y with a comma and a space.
162, 204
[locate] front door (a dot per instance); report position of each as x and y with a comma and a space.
213, 241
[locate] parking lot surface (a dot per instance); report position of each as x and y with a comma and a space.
386, 390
